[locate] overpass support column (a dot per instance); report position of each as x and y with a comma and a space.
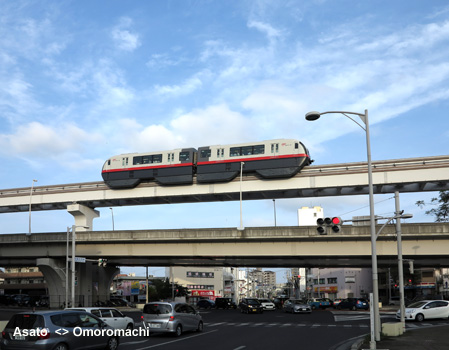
55, 275
84, 216
105, 276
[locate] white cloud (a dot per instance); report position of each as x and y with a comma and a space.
124, 38
35, 140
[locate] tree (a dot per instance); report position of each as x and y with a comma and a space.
441, 212
163, 290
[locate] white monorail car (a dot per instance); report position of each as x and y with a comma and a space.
268, 159
175, 167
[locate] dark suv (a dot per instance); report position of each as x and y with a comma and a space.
250, 305
224, 303
56, 330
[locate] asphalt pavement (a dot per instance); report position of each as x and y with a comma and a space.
424, 338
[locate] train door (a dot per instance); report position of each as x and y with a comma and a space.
171, 157
220, 153
275, 149
125, 162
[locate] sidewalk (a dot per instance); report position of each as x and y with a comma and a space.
425, 338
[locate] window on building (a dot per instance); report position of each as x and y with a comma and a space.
332, 280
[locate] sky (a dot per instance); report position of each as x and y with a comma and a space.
82, 80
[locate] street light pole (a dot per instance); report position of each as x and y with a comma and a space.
274, 207
311, 116
29, 216
398, 213
73, 261
112, 212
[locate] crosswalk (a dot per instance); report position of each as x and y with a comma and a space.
281, 325
339, 319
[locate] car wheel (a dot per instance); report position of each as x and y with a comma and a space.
200, 327
130, 326
313, 307
419, 317
353, 308
178, 330
112, 344
61, 347
338, 307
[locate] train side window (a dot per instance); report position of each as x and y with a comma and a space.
235, 151
259, 149
109, 162
157, 158
248, 150
206, 153
137, 160
296, 145
184, 156
147, 160
125, 161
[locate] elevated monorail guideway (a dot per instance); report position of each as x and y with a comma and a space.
403, 175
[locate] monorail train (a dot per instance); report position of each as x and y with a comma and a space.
268, 159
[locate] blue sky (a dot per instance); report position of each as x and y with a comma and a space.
83, 80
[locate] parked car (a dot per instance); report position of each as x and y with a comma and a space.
353, 304
297, 306
171, 317
317, 303
336, 302
205, 304
38, 331
112, 317
250, 305
267, 304
426, 309
225, 303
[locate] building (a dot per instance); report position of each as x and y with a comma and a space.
22, 280
336, 283
203, 282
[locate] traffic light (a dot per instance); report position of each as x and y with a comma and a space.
321, 229
410, 267
324, 223
336, 224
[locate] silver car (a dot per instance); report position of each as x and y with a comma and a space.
111, 316
173, 317
297, 306
56, 330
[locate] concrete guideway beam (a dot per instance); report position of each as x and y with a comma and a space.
83, 215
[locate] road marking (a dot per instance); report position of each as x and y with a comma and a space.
240, 347
175, 341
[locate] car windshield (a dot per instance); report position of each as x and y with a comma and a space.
298, 302
253, 302
157, 309
418, 304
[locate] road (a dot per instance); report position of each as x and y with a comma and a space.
231, 330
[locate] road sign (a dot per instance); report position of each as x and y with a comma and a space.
80, 259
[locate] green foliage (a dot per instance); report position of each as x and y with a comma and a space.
441, 212
162, 290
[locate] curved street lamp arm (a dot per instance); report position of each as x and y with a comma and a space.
360, 115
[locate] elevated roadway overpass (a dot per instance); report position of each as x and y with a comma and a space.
426, 243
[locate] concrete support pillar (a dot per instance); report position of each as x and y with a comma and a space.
55, 275
85, 288
84, 216
105, 277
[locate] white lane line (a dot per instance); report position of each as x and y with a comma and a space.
175, 341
